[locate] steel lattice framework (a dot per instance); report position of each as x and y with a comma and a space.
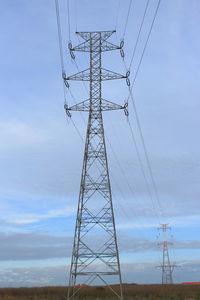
95, 255
166, 266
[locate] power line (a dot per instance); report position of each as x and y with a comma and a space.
128, 216
133, 102
111, 175
139, 32
113, 178
120, 166
114, 154
142, 168
61, 50
76, 14
112, 149
135, 110
62, 56
146, 154
77, 130
144, 147
68, 18
138, 122
62, 64
59, 35
117, 15
127, 17
145, 46
69, 90
139, 126
84, 84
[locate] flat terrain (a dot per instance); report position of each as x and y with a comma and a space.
131, 292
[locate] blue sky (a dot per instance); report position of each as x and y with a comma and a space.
41, 153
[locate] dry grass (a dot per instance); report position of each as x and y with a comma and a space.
131, 292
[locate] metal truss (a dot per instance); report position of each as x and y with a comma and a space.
85, 106
166, 267
95, 256
105, 75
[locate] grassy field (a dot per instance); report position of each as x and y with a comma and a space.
131, 292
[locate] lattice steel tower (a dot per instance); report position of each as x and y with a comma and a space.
95, 256
166, 266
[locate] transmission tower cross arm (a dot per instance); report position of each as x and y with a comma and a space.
105, 74
85, 105
85, 47
165, 243
104, 35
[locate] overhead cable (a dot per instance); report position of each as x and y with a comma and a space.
134, 106
120, 166
139, 32
136, 114
117, 15
76, 14
68, 18
125, 176
142, 167
111, 175
130, 210
112, 149
127, 17
145, 46
146, 155
59, 35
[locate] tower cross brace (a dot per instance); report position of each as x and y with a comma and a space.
95, 255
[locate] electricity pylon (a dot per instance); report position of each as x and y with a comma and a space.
166, 266
95, 255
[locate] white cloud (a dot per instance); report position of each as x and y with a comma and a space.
28, 218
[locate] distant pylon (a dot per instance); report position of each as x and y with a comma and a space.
166, 267
95, 256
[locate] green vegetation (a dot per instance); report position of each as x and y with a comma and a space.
131, 292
